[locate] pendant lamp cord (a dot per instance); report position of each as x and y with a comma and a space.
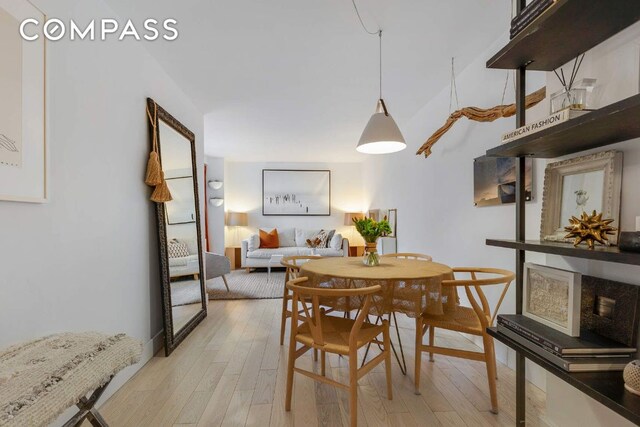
373, 33
380, 38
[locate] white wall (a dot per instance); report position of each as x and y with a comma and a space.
215, 172
243, 181
434, 196
88, 259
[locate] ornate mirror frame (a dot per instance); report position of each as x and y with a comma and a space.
171, 341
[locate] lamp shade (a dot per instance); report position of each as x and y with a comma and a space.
350, 216
237, 219
381, 135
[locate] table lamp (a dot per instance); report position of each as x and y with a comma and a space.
235, 220
348, 221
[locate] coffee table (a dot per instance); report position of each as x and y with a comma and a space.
273, 261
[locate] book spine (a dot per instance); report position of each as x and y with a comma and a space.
521, 21
554, 348
540, 351
533, 10
554, 119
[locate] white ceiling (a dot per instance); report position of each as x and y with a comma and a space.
296, 80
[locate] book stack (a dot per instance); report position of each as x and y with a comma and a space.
553, 120
528, 15
588, 353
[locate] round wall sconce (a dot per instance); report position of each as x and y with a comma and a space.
216, 185
216, 201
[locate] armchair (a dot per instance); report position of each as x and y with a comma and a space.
217, 266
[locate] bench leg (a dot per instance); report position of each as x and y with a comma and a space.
87, 410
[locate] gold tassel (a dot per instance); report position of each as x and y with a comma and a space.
154, 170
161, 193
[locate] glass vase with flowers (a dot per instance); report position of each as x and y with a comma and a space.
371, 230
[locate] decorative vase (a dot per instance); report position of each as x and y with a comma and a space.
631, 377
371, 258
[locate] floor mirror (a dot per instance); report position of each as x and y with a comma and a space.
180, 236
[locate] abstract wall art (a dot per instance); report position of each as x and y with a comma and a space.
23, 150
296, 192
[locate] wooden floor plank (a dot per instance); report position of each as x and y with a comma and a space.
232, 371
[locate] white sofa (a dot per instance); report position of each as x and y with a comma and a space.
186, 265
293, 241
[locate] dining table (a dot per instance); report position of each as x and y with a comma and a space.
408, 286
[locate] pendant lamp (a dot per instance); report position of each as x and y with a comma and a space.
381, 135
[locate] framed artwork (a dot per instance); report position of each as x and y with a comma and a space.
23, 146
610, 309
288, 192
552, 297
181, 210
581, 184
494, 180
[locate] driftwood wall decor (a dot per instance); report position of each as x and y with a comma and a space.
480, 115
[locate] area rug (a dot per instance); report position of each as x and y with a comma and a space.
242, 285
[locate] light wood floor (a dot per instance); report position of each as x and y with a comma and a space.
231, 372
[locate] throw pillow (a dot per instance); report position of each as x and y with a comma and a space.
319, 240
336, 242
331, 233
177, 249
287, 237
303, 235
269, 240
253, 243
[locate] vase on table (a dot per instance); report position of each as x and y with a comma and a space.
371, 257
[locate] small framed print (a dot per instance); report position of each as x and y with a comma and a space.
552, 297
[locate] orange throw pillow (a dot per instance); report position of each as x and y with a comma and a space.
269, 240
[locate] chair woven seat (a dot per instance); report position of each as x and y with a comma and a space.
464, 319
336, 332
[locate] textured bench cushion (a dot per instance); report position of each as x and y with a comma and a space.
40, 379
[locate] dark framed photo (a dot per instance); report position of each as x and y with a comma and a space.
494, 180
289, 192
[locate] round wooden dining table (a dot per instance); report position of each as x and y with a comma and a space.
408, 286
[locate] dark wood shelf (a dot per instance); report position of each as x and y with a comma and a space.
564, 31
614, 123
600, 253
605, 387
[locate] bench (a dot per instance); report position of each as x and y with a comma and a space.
42, 378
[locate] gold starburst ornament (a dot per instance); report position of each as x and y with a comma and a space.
590, 228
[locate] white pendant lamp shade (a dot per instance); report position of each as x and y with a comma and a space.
381, 135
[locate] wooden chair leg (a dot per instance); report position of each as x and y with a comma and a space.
226, 285
353, 388
315, 354
290, 365
491, 374
493, 350
387, 360
323, 361
432, 336
283, 320
418, 355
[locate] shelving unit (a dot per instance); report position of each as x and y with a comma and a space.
600, 253
613, 123
605, 387
566, 30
